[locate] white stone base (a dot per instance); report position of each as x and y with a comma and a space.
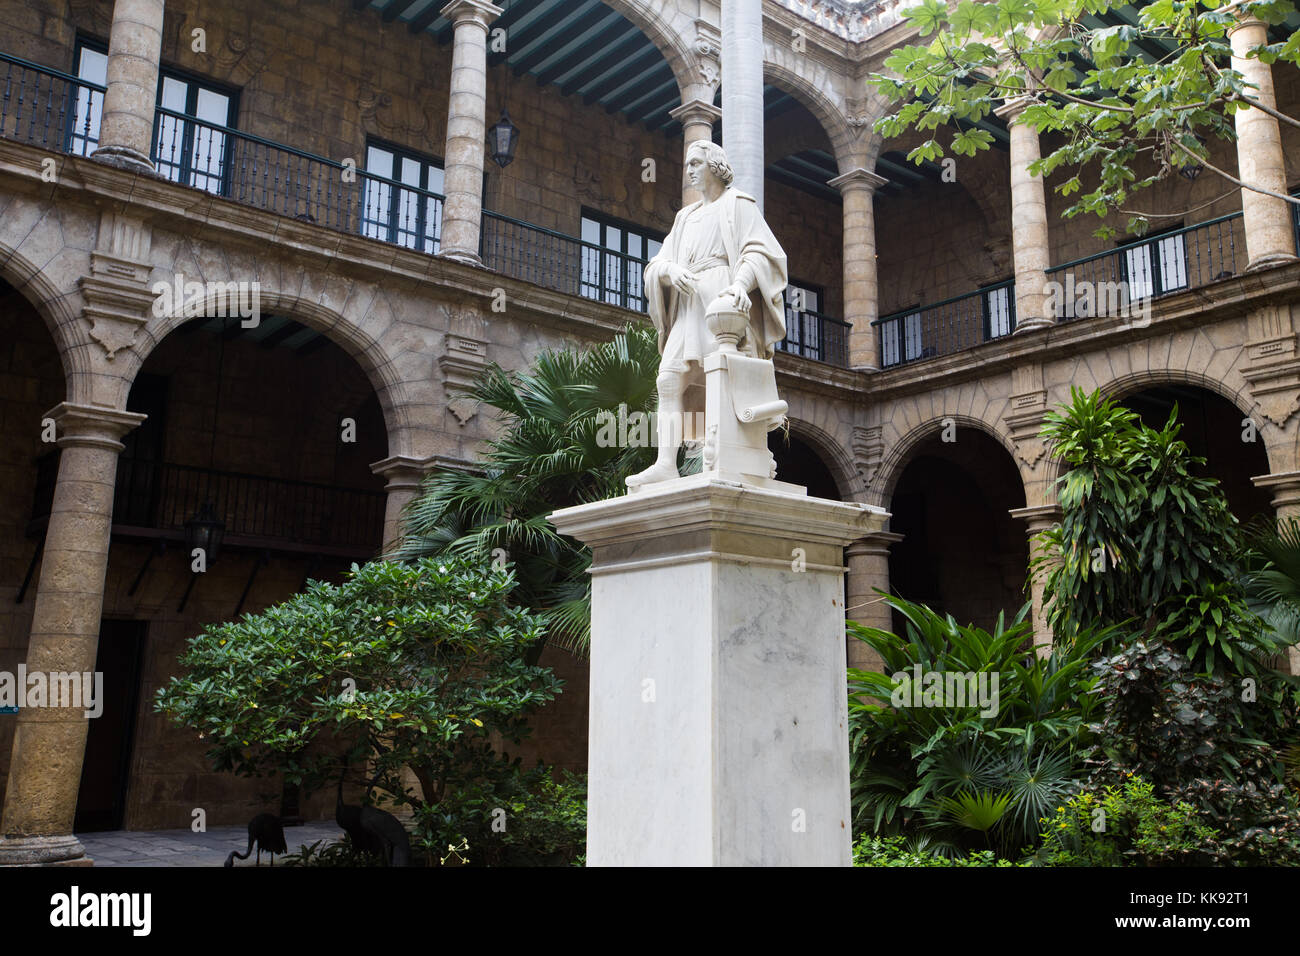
718, 728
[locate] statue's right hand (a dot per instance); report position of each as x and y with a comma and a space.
683, 281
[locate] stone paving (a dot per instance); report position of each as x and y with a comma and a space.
186, 848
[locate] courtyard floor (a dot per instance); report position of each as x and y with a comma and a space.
186, 848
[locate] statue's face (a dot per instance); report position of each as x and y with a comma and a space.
698, 172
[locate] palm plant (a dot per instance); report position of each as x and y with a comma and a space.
951, 770
1273, 579
549, 454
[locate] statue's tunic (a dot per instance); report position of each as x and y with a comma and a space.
717, 241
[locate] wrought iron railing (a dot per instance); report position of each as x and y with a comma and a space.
61, 112
165, 496
816, 336
951, 325
260, 173
48, 108
1115, 281
564, 263
268, 511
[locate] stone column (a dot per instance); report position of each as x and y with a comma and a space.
861, 288
49, 742
1267, 220
462, 212
1286, 504
1039, 519
403, 475
868, 569
1029, 247
742, 93
134, 49
697, 118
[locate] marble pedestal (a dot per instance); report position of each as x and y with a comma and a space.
718, 730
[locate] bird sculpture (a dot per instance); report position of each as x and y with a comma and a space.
373, 830
266, 832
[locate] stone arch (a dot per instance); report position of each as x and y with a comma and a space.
893, 464
363, 348
833, 455
672, 33
818, 102
56, 307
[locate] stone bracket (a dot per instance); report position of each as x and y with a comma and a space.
868, 451
118, 299
1024, 422
1273, 372
464, 358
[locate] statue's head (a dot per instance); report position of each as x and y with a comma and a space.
706, 158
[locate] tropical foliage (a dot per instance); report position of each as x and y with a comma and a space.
1133, 98
966, 778
552, 451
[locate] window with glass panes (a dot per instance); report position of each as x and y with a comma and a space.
1155, 266
191, 147
803, 303
83, 123
403, 198
999, 311
614, 254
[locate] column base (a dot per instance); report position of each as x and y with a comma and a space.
1269, 260
1033, 325
456, 255
43, 851
124, 157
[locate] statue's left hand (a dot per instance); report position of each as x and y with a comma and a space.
738, 295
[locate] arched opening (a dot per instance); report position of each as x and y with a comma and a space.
798, 463
1216, 430
31, 383
962, 552
263, 436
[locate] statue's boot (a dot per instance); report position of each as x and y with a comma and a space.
669, 431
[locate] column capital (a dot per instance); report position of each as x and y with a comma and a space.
1285, 486
1012, 107
402, 472
858, 178
1039, 517
1246, 21
471, 11
696, 111
878, 542
93, 425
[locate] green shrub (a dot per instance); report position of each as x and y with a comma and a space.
419, 665
1125, 826
898, 851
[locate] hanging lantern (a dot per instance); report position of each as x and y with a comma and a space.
205, 530
502, 139
1192, 170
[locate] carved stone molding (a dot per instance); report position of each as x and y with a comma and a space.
116, 295
1025, 420
1272, 364
868, 445
708, 50
464, 357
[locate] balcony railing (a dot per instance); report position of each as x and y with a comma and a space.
952, 325
47, 108
1112, 282
61, 112
564, 263
157, 498
816, 336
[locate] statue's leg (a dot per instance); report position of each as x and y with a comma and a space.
671, 384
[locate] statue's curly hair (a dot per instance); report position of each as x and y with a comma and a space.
716, 158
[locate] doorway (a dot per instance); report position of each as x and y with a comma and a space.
101, 799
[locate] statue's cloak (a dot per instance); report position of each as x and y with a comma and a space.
747, 238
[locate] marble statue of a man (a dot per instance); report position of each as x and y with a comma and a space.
719, 246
